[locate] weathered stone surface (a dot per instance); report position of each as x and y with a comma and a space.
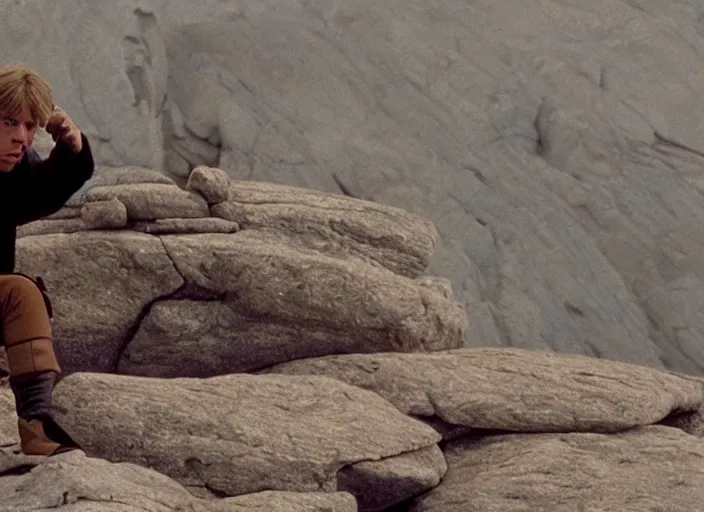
186, 226
187, 338
99, 283
441, 285
266, 279
8, 419
281, 501
385, 236
110, 214
649, 468
242, 433
73, 482
51, 226
149, 201
200, 339
376, 485
212, 183
512, 389
67, 212
691, 422
128, 175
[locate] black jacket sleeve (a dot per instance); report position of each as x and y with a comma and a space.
49, 183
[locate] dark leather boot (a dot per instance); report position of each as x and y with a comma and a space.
39, 432
43, 436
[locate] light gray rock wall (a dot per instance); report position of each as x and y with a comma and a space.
556, 147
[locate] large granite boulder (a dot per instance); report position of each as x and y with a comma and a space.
513, 390
73, 482
240, 434
139, 269
649, 468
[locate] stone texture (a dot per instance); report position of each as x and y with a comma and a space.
690, 422
52, 226
253, 297
149, 201
649, 468
186, 226
212, 183
104, 214
8, 419
128, 175
73, 482
67, 212
99, 283
280, 501
187, 338
270, 432
385, 236
380, 310
514, 390
375, 483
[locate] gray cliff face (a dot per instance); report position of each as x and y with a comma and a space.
557, 147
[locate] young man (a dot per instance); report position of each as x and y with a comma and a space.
29, 190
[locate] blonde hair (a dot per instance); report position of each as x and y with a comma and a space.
20, 86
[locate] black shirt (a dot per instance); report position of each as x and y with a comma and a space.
36, 188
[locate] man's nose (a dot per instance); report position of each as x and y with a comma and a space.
21, 135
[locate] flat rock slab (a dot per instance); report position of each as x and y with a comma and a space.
187, 338
190, 338
282, 501
106, 176
184, 226
51, 226
72, 482
240, 434
382, 235
275, 282
514, 389
99, 283
149, 201
652, 468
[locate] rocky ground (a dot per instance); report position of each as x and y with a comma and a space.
245, 346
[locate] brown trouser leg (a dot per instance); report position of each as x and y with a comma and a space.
26, 327
27, 336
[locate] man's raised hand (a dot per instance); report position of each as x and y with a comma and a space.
62, 128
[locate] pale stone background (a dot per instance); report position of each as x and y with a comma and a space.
556, 145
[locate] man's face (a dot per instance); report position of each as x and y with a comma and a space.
16, 135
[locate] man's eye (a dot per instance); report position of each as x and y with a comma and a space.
9, 122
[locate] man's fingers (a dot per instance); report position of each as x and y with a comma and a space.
54, 124
59, 132
61, 127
